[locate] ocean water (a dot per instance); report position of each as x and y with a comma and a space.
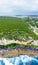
20, 60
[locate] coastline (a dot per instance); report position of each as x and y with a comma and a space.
14, 52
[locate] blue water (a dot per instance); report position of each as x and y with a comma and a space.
20, 60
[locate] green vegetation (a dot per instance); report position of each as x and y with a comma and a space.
32, 46
14, 45
17, 28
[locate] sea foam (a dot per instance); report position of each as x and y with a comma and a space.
20, 60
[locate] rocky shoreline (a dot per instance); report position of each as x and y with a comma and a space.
13, 52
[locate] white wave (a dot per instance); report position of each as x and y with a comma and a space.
20, 60
7, 62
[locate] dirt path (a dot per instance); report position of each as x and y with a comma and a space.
35, 32
6, 42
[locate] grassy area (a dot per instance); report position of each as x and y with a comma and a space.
17, 28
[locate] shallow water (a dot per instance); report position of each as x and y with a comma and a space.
20, 60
